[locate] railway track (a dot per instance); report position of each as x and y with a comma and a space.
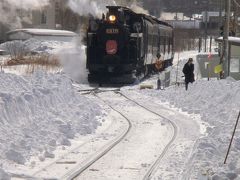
154, 166
156, 163
85, 167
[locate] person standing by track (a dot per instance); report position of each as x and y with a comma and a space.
159, 67
188, 71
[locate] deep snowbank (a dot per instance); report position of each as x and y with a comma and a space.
71, 55
40, 112
35, 46
218, 104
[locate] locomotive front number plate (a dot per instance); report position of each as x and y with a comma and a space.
112, 31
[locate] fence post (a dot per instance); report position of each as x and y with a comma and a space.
177, 69
210, 44
200, 45
229, 147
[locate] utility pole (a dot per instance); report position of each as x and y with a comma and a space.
206, 20
220, 13
226, 61
206, 30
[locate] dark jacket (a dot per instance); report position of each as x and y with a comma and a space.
188, 72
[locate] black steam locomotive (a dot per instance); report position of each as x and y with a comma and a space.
124, 44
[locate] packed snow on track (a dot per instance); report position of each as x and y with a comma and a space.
42, 112
33, 45
38, 114
215, 105
217, 102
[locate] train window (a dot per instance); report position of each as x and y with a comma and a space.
169, 44
160, 44
93, 25
127, 18
156, 39
159, 41
89, 40
164, 44
162, 40
137, 27
150, 39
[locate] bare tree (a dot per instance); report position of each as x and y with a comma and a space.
16, 49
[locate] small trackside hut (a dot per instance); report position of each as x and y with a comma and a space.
123, 45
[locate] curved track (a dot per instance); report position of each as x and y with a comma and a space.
85, 167
156, 163
154, 166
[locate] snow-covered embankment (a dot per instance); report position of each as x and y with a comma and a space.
39, 113
218, 104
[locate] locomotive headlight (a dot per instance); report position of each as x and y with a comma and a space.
112, 18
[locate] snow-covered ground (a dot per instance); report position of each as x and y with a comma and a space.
217, 103
131, 158
38, 113
67, 52
43, 114
35, 46
145, 143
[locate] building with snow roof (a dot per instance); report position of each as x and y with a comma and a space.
57, 15
41, 34
46, 17
234, 55
3, 30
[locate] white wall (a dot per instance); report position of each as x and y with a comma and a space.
50, 15
235, 62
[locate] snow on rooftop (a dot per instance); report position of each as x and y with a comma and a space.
230, 39
212, 13
48, 46
45, 32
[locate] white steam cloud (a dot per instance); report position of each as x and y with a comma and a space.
27, 4
93, 7
73, 60
97, 7
138, 9
11, 11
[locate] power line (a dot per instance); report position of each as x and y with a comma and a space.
236, 3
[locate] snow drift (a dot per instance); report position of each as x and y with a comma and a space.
71, 54
39, 113
34, 46
218, 104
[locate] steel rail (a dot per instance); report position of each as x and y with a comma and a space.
85, 167
175, 128
154, 166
